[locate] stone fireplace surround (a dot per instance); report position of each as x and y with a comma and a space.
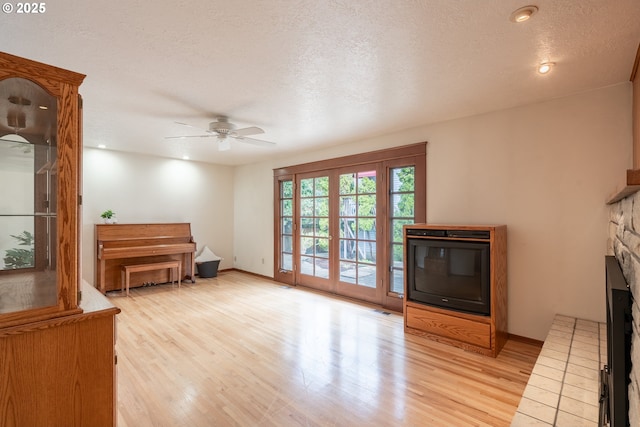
624, 243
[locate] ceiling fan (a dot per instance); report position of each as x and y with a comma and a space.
222, 129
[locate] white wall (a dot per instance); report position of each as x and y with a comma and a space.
143, 189
545, 170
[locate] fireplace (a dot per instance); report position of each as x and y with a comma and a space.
615, 375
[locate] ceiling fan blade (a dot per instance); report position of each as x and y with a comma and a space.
258, 142
187, 124
190, 136
252, 130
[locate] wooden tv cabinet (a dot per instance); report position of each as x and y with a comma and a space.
482, 334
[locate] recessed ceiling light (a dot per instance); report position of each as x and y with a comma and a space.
43, 107
102, 146
545, 67
523, 14
185, 157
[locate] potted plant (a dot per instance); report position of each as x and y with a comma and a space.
109, 217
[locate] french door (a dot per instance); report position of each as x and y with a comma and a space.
338, 232
339, 223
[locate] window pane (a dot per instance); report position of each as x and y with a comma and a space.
397, 281
322, 227
286, 190
348, 272
402, 179
306, 265
348, 249
366, 205
287, 245
348, 183
287, 262
322, 206
367, 228
306, 226
347, 206
306, 245
367, 275
306, 207
322, 268
287, 208
287, 225
322, 248
322, 186
398, 255
367, 182
306, 187
396, 225
367, 251
402, 205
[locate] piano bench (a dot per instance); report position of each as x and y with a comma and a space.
173, 266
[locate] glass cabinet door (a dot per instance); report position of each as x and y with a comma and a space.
39, 177
27, 196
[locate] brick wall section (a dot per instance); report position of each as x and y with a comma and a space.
624, 242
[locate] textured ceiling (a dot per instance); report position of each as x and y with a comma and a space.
315, 73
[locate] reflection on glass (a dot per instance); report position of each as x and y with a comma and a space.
28, 173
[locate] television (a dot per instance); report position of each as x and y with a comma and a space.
451, 274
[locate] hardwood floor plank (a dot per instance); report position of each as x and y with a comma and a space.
240, 350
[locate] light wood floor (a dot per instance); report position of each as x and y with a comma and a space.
238, 350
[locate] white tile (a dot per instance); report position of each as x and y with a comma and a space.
564, 348
552, 363
545, 383
587, 354
537, 410
587, 325
565, 419
588, 373
585, 346
553, 354
582, 382
579, 409
560, 334
586, 336
587, 363
542, 396
577, 393
523, 420
562, 328
540, 368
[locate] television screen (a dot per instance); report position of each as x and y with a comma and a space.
450, 274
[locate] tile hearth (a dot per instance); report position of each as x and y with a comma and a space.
563, 389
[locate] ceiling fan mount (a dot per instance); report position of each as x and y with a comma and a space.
221, 128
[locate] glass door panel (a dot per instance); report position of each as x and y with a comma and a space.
286, 225
356, 246
314, 232
402, 211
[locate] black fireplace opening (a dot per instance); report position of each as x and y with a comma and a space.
615, 374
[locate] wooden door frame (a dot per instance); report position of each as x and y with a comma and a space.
413, 154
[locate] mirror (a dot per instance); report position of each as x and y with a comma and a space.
28, 187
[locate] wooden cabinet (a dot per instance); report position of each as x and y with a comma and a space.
61, 371
57, 351
486, 333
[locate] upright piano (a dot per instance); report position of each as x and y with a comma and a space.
119, 244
